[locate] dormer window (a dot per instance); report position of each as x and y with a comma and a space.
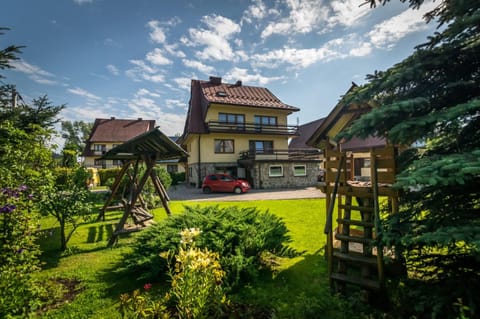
221, 94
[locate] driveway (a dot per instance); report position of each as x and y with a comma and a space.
184, 192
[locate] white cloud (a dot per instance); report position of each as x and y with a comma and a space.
84, 93
304, 17
173, 50
113, 69
157, 33
145, 92
80, 2
348, 12
142, 71
243, 75
255, 11
35, 73
143, 66
174, 104
386, 34
363, 49
215, 38
25, 67
199, 66
183, 83
157, 57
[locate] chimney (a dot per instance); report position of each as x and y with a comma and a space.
238, 83
215, 80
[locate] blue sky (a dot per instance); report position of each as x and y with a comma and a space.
133, 59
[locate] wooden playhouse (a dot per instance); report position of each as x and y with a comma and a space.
358, 178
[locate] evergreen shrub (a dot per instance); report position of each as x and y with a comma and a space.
241, 236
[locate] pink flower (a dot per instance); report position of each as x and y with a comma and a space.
147, 286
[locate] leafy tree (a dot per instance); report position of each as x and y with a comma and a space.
67, 202
433, 97
75, 134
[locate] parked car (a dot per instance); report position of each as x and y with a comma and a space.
224, 183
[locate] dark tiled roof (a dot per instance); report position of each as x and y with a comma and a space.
116, 130
119, 130
305, 131
238, 94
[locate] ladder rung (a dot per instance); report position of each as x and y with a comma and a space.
363, 282
354, 239
359, 208
355, 222
355, 258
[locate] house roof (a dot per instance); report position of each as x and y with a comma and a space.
305, 131
357, 144
151, 143
204, 93
118, 130
342, 115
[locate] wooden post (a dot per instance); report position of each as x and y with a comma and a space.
376, 212
115, 186
161, 192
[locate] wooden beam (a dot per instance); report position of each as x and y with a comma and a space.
115, 186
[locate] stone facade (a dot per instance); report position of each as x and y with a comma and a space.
263, 178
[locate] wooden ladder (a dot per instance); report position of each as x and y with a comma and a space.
356, 255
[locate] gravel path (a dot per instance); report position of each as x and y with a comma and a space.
183, 192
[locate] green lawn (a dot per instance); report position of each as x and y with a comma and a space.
297, 289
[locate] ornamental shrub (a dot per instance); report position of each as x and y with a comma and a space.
241, 237
19, 294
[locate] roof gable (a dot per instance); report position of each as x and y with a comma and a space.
118, 130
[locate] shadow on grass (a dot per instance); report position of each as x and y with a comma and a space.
300, 291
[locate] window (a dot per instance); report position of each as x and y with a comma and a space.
231, 118
265, 120
117, 162
275, 171
100, 147
299, 170
190, 172
172, 168
261, 147
224, 146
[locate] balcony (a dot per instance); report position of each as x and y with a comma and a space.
290, 154
251, 128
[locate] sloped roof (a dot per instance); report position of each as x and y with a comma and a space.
238, 94
357, 144
204, 93
118, 130
305, 131
152, 143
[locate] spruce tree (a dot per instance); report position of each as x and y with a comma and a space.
432, 98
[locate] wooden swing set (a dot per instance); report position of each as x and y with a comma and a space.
147, 148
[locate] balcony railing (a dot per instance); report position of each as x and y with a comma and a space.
252, 128
276, 154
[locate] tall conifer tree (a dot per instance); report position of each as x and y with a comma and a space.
433, 97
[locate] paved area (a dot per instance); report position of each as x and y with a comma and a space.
184, 192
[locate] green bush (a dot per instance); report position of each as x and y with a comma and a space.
19, 254
241, 236
177, 178
107, 174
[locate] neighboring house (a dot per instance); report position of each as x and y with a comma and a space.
242, 130
108, 133
173, 165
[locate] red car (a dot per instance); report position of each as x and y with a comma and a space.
224, 183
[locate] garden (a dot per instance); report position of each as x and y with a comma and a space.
261, 259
